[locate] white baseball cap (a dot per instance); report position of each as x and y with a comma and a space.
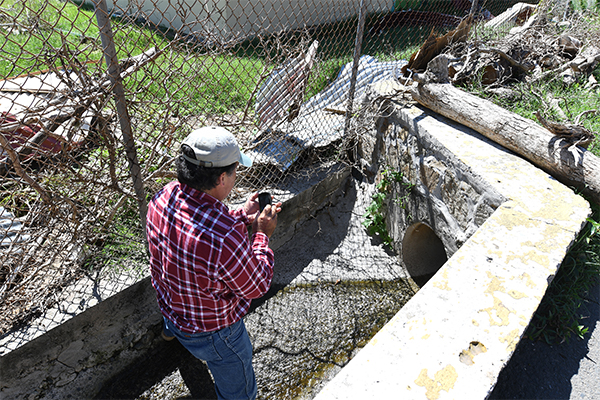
215, 147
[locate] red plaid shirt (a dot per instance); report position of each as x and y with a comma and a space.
203, 266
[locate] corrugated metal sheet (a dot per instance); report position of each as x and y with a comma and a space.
11, 230
316, 127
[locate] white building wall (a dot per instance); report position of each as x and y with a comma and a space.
237, 19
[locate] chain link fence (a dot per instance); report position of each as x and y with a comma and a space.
96, 96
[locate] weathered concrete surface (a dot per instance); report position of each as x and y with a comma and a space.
75, 358
455, 335
93, 288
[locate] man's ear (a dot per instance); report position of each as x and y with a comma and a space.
222, 178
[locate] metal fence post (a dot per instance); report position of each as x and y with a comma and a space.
112, 62
357, 51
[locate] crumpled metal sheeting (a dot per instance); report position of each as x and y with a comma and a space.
284, 87
315, 127
369, 71
14, 102
278, 151
48, 82
282, 149
11, 230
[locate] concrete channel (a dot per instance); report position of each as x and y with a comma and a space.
347, 317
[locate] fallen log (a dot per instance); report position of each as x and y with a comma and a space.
568, 163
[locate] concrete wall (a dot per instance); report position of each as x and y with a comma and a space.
438, 189
76, 358
513, 225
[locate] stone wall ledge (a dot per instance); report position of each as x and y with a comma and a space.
456, 334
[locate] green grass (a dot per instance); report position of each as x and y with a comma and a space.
562, 310
44, 25
190, 79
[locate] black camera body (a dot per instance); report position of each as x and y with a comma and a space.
264, 198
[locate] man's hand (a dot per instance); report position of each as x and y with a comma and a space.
251, 207
267, 220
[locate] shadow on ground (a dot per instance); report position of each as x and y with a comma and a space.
160, 362
568, 370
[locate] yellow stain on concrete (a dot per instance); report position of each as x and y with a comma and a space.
444, 379
511, 340
528, 281
426, 336
535, 256
516, 294
498, 313
495, 285
443, 282
510, 219
556, 206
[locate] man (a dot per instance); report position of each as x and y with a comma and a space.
203, 265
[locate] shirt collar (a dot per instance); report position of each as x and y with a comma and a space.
202, 197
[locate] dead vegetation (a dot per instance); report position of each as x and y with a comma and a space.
537, 51
540, 48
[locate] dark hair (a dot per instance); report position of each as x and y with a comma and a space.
196, 176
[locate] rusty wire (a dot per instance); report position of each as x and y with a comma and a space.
68, 203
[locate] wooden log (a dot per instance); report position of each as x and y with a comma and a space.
570, 164
517, 13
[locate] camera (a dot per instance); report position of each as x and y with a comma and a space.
264, 198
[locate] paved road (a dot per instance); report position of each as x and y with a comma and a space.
570, 370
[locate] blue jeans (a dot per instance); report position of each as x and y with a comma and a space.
228, 354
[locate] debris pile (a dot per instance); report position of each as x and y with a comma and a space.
537, 49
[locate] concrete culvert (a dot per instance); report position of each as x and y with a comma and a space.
423, 252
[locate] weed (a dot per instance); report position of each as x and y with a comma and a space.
375, 213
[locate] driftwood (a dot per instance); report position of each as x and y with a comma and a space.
572, 133
583, 63
515, 15
567, 162
434, 46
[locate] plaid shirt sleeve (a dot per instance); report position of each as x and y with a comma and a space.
240, 215
246, 265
